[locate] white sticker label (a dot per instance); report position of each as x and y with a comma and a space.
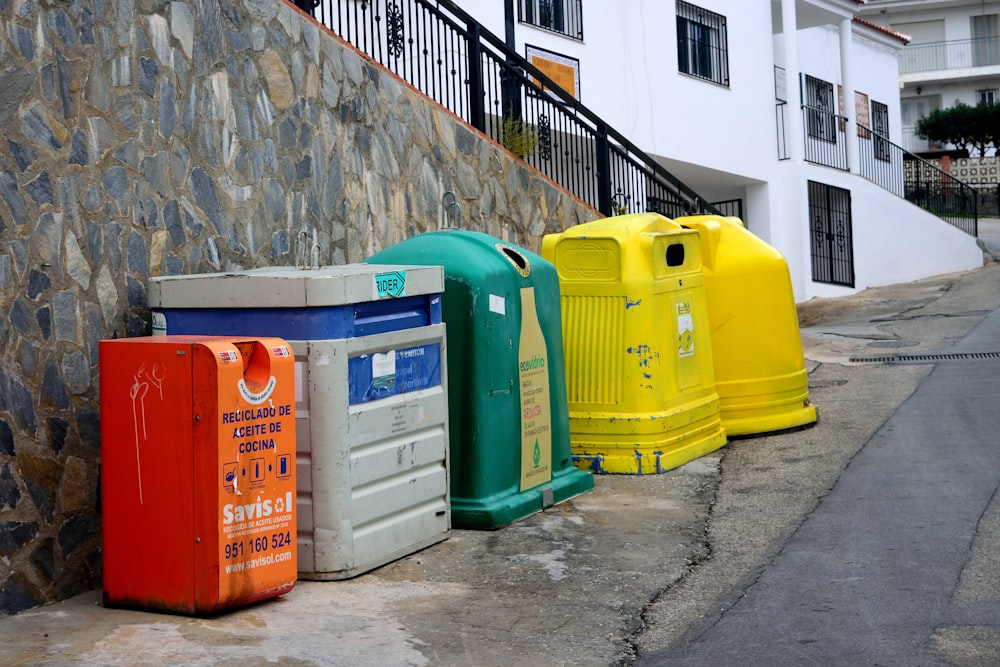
498, 304
384, 364
685, 330
256, 397
159, 323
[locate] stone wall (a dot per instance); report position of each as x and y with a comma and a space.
144, 138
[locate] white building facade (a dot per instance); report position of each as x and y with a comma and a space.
953, 57
715, 89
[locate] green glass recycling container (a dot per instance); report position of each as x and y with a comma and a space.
507, 407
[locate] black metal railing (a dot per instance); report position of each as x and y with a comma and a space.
881, 161
888, 165
824, 137
942, 194
918, 181
731, 207
987, 196
443, 52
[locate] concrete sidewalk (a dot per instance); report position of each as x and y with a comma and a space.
579, 583
564, 587
989, 238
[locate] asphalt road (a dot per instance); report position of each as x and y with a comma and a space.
879, 551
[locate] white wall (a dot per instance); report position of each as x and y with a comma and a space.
788, 224
893, 240
629, 77
874, 67
729, 129
955, 14
954, 85
876, 73
897, 245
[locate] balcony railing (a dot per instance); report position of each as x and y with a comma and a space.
443, 52
953, 54
824, 137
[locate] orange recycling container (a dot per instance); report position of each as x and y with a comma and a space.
197, 472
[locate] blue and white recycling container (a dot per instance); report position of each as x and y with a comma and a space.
370, 396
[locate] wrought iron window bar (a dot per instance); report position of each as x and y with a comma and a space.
562, 16
702, 43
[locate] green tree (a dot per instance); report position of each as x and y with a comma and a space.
980, 120
963, 126
993, 120
934, 127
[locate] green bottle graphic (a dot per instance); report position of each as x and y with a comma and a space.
533, 382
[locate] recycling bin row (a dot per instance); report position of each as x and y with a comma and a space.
632, 345
678, 333
376, 473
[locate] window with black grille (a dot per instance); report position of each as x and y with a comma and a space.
831, 239
562, 16
820, 116
880, 127
702, 43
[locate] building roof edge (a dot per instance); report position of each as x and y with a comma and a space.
899, 36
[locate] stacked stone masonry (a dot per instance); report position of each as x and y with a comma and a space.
148, 137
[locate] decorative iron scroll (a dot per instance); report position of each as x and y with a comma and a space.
544, 137
394, 29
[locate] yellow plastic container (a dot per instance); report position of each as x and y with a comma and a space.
639, 372
760, 372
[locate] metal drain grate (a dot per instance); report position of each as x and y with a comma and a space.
924, 358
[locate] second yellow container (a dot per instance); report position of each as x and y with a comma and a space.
760, 371
639, 367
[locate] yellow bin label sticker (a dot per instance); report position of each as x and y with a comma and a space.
533, 379
685, 330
